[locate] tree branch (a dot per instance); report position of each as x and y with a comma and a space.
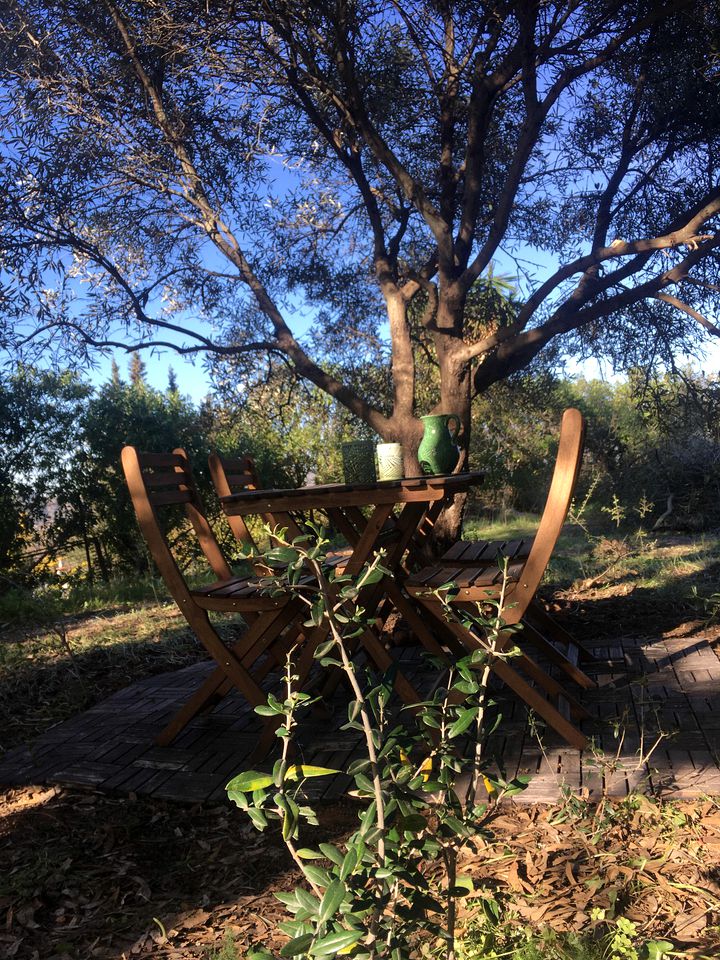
682, 231
106, 343
511, 357
532, 126
690, 311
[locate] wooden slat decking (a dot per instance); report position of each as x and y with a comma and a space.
670, 684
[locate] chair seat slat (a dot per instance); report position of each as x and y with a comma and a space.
219, 585
487, 551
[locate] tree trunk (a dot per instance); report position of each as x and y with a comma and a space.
102, 562
86, 543
455, 386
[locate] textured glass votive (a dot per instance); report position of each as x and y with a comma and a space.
359, 461
390, 461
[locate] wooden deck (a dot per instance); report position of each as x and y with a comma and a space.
645, 686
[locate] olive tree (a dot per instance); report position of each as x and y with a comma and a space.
322, 184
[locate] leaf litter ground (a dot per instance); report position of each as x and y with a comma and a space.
88, 875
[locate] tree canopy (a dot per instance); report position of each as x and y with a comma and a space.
322, 185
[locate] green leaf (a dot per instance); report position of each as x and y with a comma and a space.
279, 771
317, 612
373, 576
655, 949
258, 797
307, 900
332, 853
258, 818
465, 720
413, 823
250, 781
317, 875
289, 899
367, 819
365, 784
267, 711
457, 826
429, 786
338, 940
517, 785
306, 854
323, 648
238, 798
332, 898
290, 820
357, 766
307, 770
349, 863
293, 928
282, 555
298, 946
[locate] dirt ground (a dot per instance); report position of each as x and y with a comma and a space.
86, 875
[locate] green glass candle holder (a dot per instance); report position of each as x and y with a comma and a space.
358, 458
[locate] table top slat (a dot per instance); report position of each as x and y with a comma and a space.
407, 490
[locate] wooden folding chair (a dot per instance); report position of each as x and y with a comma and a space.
540, 626
236, 474
160, 480
482, 580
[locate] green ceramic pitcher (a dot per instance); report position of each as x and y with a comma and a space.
437, 452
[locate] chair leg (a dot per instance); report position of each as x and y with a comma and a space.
532, 697
233, 666
416, 623
531, 633
545, 624
208, 693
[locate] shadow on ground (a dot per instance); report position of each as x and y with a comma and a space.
87, 875
36, 693
607, 612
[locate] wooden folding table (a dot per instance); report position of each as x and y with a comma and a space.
395, 515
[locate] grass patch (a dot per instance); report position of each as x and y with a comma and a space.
603, 556
525, 944
53, 670
73, 596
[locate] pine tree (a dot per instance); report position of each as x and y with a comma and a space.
138, 371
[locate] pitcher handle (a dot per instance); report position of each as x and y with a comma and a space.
456, 418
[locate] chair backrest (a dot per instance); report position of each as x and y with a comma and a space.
562, 487
233, 475
158, 480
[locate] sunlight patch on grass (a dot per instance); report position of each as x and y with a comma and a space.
665, 561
